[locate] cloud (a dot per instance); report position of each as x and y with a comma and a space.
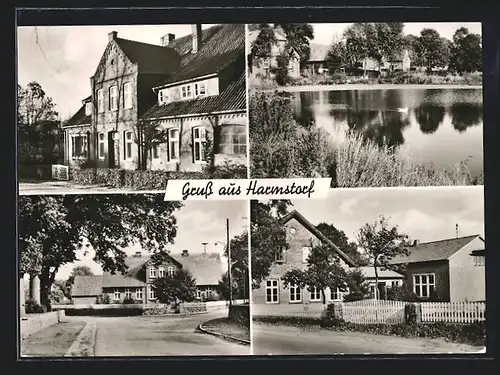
347, 206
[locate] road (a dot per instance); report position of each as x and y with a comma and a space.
273, 339
159, 336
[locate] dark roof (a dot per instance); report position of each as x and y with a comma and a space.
206, 268
221, 45
318, 52
87, 286
79, 118
307, 224
149, 57
434, 251
478, 252
233, 98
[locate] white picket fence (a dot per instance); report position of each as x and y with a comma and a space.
374, 312
453, 312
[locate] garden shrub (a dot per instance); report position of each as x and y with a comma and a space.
112, 311
129, 301
33, 307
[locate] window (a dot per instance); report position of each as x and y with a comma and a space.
233, 140
138, 294
161, 272
186, 92
291, 66
265, 63
128, 294
337, 295
199, 144
200, 89
173, 144
198, 293
100, 150
152, 272
479, 260
163, 97
279, 255
423, 284
272, 295
306, 250
128, 144
113, 98
394, 283
100, 101
295, 294
151, 292
79, 146
372, 290
88, 109
170, 271
116, 295
127, 95
314, 294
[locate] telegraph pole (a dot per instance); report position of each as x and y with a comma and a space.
229, 263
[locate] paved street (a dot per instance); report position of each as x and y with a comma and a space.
271, 339
159, 336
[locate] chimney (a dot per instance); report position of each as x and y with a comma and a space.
185, 253
167, 39
112, 35
416, 242
137, 254
196, 35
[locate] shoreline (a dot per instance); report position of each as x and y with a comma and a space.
365, 86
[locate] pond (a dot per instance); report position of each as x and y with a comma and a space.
442, 126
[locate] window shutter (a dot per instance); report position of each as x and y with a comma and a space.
216, 139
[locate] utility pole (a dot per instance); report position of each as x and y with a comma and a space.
229, 264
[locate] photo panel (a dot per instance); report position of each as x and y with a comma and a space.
370, 271
367, 104
132, 275
115, 108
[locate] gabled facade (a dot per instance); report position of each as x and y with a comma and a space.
451, 270
185, 83
135, 285
264, 67
301, 236
316, 64
202, 106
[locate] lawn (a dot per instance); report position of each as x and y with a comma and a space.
227, 327
53, 341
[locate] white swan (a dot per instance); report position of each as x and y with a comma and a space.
403, 110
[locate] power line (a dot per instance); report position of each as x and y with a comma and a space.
42, 52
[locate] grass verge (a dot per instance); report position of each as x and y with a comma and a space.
53, 341
227, 327
471, 334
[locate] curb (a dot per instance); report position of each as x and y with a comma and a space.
84, 344
226, 337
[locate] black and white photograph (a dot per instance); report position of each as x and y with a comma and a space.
132, 275
378, 271
113, 108
367, 104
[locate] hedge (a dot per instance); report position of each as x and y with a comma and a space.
129, 311
473, 334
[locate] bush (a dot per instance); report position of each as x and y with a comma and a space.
32, 307
159, 311
103, 300
129, 301
129, 311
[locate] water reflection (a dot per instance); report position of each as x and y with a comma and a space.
465, 115
429, 117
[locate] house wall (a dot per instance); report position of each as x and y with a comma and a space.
84, 300
440, 269
77, 130
115, 70
467, 280
293, 260
276, 50
110, 293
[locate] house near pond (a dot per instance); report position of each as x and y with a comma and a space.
302, 236
401, 62
450, 270
206, 268
316, 64
192, 89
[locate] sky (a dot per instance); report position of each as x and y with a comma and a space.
325, 32
426, 214
197, 222
63, 58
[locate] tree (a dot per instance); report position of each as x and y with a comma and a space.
52, 229
382, 243
359, 288
59, 292
298, 36
281, 71
262, 46
339, 238
389, 40
336, 56
434, 49
239, 269
77, 271
324, 270
356, 44
267, 235
180, 287
412, 44
466, 51
149, 134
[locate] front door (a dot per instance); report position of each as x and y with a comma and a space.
112, 154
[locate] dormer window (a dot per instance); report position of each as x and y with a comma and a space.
88, 109
200, 89
163, 96
186, 92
